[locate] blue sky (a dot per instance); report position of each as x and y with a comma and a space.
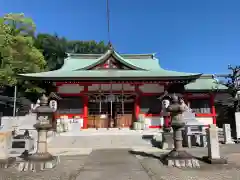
187, 35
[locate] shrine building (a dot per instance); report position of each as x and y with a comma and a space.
112, 89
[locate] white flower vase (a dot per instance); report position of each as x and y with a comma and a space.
65, 125
59, 126
62, 124
70, 125
147, 123
81, 122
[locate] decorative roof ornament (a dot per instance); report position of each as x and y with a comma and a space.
110, 46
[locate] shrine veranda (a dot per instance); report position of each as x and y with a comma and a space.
113, 90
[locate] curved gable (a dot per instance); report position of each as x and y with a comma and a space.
111, 57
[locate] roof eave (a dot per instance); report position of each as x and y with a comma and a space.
167, 78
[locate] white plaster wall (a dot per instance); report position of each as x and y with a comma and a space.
70, 89
205, 120
151, 88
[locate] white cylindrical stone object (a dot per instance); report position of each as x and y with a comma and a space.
227, 134
213, 144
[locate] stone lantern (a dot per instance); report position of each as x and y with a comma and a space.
42, 159
178, 157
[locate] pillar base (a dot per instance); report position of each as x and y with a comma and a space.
180, 159
38, 163
214, 161
5, 163
229, 142
40, 157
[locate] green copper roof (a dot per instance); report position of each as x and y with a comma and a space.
85, 61
145, 67
205, 82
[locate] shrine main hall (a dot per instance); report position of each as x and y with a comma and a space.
114, 90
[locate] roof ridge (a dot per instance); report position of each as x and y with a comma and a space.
149, 55
207, 76
81, 54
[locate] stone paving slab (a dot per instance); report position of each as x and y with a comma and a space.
154, 167
68, 169
207, 172
112, 164
69, 151
120, 164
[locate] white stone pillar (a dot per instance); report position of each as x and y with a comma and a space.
213, 146
237, 122
227, 134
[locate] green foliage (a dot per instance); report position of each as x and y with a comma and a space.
54, 48
17, 51
231, 79
23, 52
86, 47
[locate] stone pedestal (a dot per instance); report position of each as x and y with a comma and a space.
213, 147
42, 159
5, 145
167, 140
227, 134
179, 157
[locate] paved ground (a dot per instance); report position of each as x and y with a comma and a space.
120, 164
112, 164
129, 156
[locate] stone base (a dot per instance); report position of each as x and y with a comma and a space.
214, 161
38, 165
180, 159
5, 163
229, 142
39, 157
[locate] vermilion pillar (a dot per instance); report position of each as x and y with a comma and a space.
85, 108
137, 102
213, 110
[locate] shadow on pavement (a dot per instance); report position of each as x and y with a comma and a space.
161, 156
153, 141
148, 155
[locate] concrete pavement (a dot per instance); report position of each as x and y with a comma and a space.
112, 164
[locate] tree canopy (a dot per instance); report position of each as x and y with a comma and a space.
232, 80
24, 51
17, 51
54, 48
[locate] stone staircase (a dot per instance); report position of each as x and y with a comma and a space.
103, 138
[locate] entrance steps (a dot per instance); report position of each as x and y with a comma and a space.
104, 139
110, 131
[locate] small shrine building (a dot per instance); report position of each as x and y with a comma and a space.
112, 89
